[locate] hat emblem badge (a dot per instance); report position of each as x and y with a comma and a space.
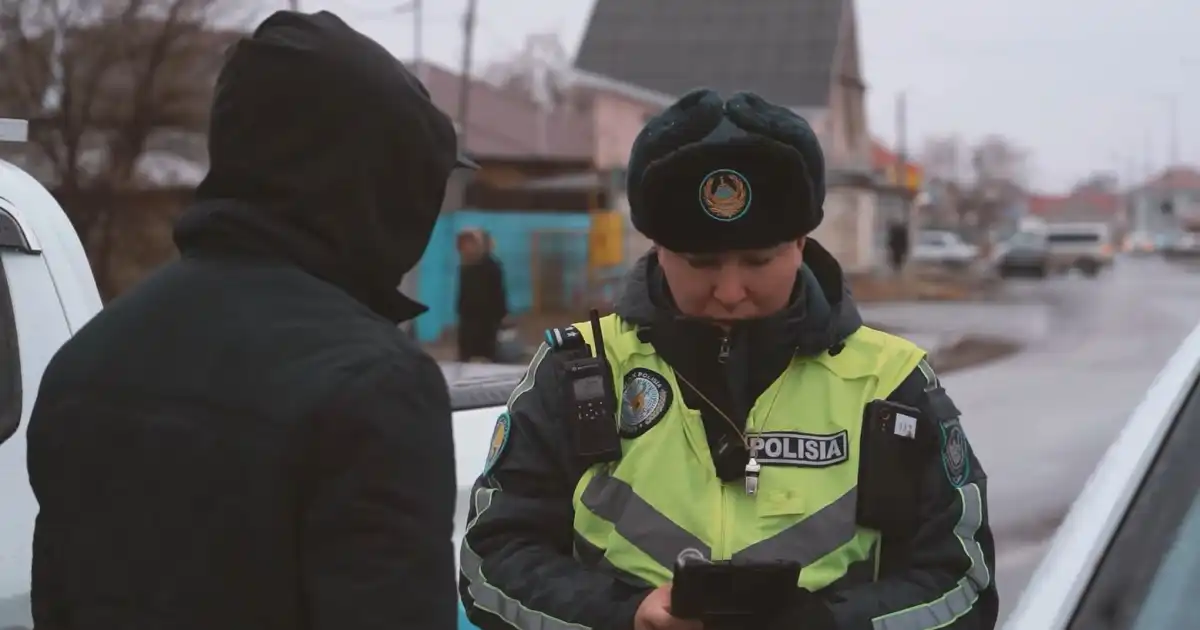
725, 195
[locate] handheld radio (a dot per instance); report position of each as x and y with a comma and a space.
593, 401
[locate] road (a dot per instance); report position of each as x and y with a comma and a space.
1041, 420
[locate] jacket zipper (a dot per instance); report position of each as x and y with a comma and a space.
723, 543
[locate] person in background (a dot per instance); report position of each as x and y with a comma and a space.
897, 243
245, 441
482, 299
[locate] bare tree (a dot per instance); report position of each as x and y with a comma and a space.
996, 159
943, 158
1104, 183
102, 83
539, 71
977, 183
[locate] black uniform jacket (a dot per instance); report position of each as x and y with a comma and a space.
522, 565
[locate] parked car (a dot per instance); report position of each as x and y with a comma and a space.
1024, 254
1140, 244
1183, 245
1127, 557
944, 248
1085, 247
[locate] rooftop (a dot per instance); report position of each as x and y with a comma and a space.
782, 49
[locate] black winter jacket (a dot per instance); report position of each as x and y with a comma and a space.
245, 441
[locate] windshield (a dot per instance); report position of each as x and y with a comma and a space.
1078, 237
1026, 239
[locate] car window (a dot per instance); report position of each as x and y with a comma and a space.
931, 238
1078, 237
10, 363
1026, 239
1149, 576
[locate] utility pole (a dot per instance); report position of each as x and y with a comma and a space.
418, 30
906, 205
1173, 106
294, 5
464, 90
902, 154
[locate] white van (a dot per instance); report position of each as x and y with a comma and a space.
1086, 247
47, 293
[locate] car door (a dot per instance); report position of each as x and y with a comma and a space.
46, 293
1149, 576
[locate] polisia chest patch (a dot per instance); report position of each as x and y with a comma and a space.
808, 450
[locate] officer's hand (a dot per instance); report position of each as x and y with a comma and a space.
654, 613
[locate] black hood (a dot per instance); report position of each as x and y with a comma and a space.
326, 153
821, 316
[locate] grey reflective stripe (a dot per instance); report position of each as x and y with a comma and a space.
931, 379
638, 522
530, 377
958, 602
818, 535
491, 599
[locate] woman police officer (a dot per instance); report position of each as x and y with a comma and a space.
746, 424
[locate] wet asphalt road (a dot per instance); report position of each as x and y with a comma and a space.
1041, 420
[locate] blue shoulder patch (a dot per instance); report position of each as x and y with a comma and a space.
499, 442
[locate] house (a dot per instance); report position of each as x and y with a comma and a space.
804, 55
1166, 203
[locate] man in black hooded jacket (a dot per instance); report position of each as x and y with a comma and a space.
245, 441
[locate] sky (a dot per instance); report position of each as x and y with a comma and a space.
1083, 85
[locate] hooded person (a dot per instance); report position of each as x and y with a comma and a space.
743, 418
245, 440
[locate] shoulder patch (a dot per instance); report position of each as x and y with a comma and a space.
645, 399
955, 458
567, 338
499, 443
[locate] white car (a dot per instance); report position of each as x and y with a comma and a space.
1127, 557
47, 293
943, 247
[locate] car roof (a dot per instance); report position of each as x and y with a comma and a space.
1053, 594
479, 385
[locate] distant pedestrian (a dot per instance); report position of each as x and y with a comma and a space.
245, 441
897, 243
482, 298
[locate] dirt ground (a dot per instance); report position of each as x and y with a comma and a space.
921, 285
971, 351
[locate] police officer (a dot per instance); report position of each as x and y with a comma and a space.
756, 419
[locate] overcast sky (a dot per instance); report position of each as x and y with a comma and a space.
1083, 84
